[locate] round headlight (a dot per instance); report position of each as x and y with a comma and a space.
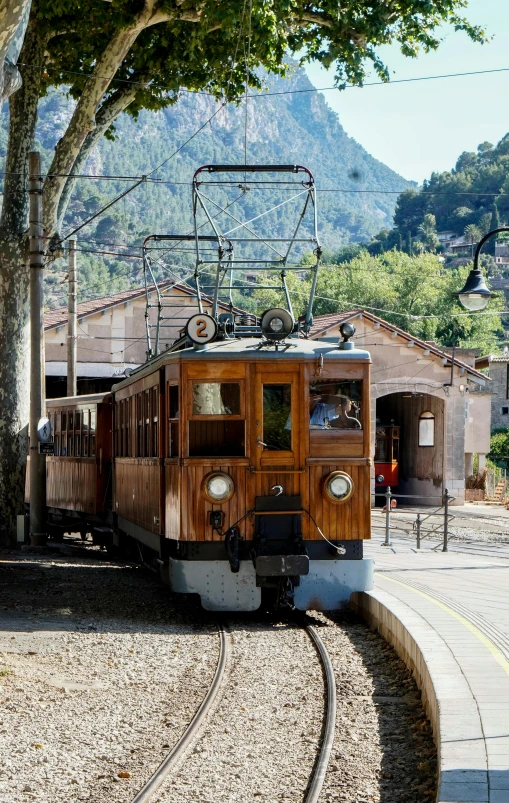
338, 486
380, 478
276, 324
218, 487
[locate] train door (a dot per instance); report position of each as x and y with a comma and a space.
278, 474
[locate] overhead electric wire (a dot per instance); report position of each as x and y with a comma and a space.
156, 85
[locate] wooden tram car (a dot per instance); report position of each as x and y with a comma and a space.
239, 457
240, 468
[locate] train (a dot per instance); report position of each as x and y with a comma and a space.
236, 462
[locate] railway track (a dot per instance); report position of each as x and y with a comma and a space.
178, 752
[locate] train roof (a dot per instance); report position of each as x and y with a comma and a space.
253, 348
91, 398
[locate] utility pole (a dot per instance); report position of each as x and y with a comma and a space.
72, 325
37, 366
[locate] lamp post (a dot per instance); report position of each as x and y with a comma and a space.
475, 296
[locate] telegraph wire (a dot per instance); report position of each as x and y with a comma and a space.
156, 85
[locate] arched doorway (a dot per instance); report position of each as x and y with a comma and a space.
413, 427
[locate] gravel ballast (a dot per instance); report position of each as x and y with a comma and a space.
101, 670
94, 658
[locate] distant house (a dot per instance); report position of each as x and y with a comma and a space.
498, 371
410, 380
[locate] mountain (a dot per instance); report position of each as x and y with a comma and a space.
298, 128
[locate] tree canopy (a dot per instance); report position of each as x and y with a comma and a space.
412, 292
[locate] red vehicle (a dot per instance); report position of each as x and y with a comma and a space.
387, 456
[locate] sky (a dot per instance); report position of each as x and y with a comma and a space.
421, 127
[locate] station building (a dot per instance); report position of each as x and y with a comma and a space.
415, 386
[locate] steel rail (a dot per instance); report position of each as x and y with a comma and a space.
177, 752
320, 768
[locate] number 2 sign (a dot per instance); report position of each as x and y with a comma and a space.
201, 328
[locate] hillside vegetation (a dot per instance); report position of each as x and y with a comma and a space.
287, 129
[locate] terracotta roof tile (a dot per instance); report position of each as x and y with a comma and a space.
324, 322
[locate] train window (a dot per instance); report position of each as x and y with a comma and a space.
155, 419
146, 423
426, 429
57, 445
216, 398
77, 445
277, 417
335, 404
173, 401
173, 422
70, 445
64, 421
139, 425
93, 419
70, 419
382, 445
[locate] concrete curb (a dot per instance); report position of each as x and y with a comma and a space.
449, 702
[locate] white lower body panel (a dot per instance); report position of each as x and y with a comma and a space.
330, 583
327, 587
220, 589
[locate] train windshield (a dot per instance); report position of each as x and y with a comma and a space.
216, 398
335, 404
277, 417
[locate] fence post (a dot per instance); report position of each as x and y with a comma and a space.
418, 528
388, 495
446, 520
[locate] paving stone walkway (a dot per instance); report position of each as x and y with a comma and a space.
452, 609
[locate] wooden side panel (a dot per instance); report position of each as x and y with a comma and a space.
348, 521
71, 483
172, 500
195, 509
138, 492
336, 443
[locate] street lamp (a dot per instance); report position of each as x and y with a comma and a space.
475, 295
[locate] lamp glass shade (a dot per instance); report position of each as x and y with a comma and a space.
474, 302
475, 295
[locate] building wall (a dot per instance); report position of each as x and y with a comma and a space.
500, 399
116, 337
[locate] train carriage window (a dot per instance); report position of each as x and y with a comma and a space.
426, 429
57, 444
77, 434
154, 410
84, 432
146, 423
216, 398
277, 417
93, 420
139, 425
216, 428
335, 404
63, 442
173, 421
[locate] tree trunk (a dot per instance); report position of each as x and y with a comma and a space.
14, 296
14, 383
12, 21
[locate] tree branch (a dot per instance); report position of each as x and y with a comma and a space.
107, 114
83, 120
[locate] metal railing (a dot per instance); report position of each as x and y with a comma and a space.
423, 526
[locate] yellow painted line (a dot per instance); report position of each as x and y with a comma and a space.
497, 654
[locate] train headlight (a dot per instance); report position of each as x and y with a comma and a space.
218, 487
338, 486
277, 323
380, 478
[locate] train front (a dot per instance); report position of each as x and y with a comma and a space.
275, 484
